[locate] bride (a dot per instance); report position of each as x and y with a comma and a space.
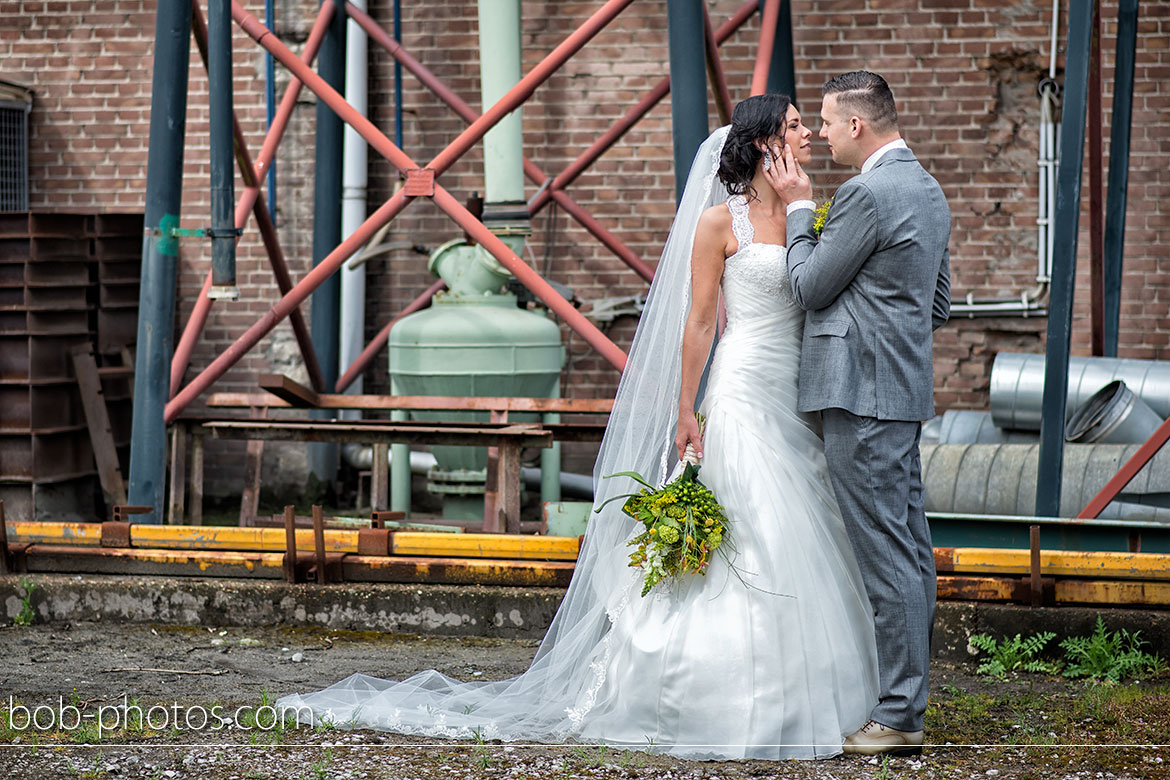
769, 655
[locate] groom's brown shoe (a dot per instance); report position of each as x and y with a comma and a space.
874, 738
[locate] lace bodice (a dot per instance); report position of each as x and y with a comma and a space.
755, 271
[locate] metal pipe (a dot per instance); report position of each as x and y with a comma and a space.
1127, 17
571, 486
499, 71
715, 70
1068, 205
769, 18
270, 100
223, 196
1128, 472
387, 211
1017, 385
362, 362
782, 68
160, 250
398, 75
688, 77
199, 313
999, 479
353, 205
1096, 194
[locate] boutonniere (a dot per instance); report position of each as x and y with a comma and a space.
821, 213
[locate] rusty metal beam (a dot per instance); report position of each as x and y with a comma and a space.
422, 402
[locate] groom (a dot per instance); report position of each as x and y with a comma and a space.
875, 286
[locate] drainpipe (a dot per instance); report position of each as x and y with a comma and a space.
223, 198
1030, 303
327, 231
160, 257
353, 206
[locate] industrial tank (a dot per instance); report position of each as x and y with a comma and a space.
474, 340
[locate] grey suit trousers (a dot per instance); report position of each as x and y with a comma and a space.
876, 474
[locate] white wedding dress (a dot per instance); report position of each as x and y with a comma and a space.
770, 655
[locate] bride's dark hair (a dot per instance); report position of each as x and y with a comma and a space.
756, 118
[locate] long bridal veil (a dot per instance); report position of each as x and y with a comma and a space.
552, 698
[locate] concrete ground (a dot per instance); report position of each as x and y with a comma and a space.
105, 650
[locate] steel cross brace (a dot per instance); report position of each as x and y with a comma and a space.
554, 189
253, 200
444, 200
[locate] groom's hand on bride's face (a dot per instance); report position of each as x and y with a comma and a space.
787, 178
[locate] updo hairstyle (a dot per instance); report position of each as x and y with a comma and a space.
756, 118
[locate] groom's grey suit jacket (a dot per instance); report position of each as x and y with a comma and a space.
875, 286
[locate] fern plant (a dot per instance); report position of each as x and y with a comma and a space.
1014, 654
1109, 655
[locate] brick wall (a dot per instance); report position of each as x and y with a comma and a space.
964, 73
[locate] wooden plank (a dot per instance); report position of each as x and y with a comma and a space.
292, 393
509, 487
250, 496
318, 542
422, 402
493, 519
290, 544
380, 478
178, 474
195, 486
523, 435
5, 562
97, 420
253, 463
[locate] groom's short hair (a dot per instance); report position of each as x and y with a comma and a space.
866, 95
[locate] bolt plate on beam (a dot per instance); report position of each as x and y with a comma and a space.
420, 183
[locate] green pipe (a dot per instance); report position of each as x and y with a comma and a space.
499, 65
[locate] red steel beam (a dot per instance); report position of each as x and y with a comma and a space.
542, 289
715, 70
528, 84
372, 349
771, 16
248, 202
631, 117
1127, 472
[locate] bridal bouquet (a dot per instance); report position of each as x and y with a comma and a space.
683, 524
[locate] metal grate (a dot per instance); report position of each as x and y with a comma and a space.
13, 156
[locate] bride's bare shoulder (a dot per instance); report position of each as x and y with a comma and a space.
715, 228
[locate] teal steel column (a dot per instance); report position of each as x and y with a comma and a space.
782, 69
688, 85
160, 257
324, 323
1119, 127
1064, 257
